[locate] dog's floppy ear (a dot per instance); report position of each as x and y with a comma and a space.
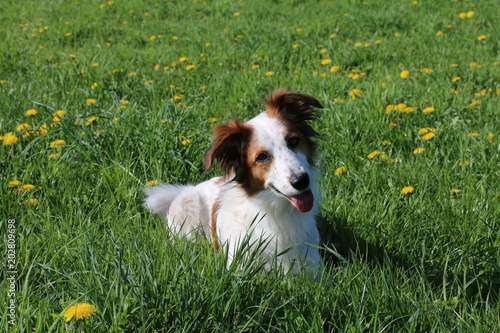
228, 147
292, 106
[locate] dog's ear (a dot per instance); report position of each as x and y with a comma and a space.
228, 146
292, 106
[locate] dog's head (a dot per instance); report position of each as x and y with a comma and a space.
273, 151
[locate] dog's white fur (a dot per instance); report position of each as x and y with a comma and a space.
262, 197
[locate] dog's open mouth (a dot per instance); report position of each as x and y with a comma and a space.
304, 201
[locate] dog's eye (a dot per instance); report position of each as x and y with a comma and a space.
293, 142
262, 157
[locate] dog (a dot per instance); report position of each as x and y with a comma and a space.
269, 193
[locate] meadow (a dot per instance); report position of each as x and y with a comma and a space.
100, 98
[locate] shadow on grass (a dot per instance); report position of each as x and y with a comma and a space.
476, 274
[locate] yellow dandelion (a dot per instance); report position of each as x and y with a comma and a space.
340, 171
462, 15
94, 85
182, 59
27, 187
407, 190
427, 70
152, 37
59, 113
474, 104
269, 73
79, 311
22, 127
132, 74
14, 183
404, 74
456, 78
57, 144
334, 68
91, 120
470, 14
428, 110
236, 14
428, 136
474, 134
185, 142
482, 37
91, 101
190, 67
30, 112
355, 93
419, 150
326, 61
455, 191
152, 182
373, 154
30, 202
213, 120
295, 46
10, 139
333, 35
42, 130
53, 156
439, 33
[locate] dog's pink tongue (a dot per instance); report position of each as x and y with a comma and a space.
304, 201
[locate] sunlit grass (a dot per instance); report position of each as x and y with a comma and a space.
100, 98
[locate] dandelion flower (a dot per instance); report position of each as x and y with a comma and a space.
373, 154
213, 120
152, 37
470, 14
79, 311
90, 101
474, 104
53, 156
334, 68
428, 136
428, 110
482, 37
419, 150
22, 127
91, 120
326, 61
30, 112
404, 74
269, 73
30, 202
14, 183
456, 78
27, 187
407, 190
10, 139
474, 135
190, 67
57, 144
340, 171
355, 93
455, 191
152, 182
185, 142
42, 130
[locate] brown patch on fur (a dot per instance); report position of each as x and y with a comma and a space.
213, 225
295, 111
228, 147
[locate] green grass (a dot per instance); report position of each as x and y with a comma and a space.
421, 262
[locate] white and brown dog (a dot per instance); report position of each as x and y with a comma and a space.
269, 192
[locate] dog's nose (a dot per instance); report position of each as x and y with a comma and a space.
300, 182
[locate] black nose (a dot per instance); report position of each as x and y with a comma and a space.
300, 182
